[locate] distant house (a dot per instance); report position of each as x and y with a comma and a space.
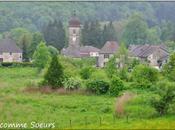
9, 51
155, 55
107, 51
89, 51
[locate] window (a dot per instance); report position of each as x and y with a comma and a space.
10, 53
74, 31
106, 55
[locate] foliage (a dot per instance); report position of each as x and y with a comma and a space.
166, 92
86, 72
116, 85
97, 86
169, 68
71, 83
41, 56
109, 32
111, 67
16, 64
55, 75
143, 73
18, 34
91, 34
54, 34
37, 37
136, 30
24, 43
53, 51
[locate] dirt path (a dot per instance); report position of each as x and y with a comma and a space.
121, 101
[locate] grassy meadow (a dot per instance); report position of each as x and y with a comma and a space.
71, 110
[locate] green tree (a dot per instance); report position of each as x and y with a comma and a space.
167, 31
116, 86
41, 56
153, 36
55, 75
122, 56
136, 30
25, 53
18, 33
111, 67
144, 76
169, 68
53, 51
95, 37
166, 96
54, 34
109, 33
37, 37
85, 33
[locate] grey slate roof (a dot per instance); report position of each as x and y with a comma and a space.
78, 52
9, 45
110, 47
143, 51
71, 51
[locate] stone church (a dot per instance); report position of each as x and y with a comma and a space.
75, 48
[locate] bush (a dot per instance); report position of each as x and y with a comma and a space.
144, 76
54, 76
166, 96
86, 72
97, 86
17, 64
71, 83
116, 86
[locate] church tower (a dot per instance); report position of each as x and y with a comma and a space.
74, 31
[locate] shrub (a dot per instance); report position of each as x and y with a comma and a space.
17, 64
71, 83
86, 72
169, 68
166, 96
41, 56
116, 86
143, 76
97, 86
54, 75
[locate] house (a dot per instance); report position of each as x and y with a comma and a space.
9, 51
107, 51
155, 55
75, 49
89, 51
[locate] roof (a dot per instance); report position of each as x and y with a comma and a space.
144, 51
9, 45
89, 49
110, 47
71, 51
85, 50
74, 21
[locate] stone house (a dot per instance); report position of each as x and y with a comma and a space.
106, 52
154, 55
9, 51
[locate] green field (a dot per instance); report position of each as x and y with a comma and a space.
73, 110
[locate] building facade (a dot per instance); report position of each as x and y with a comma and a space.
9, 51
106, 52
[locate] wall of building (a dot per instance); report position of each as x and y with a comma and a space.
102, 60
11, 57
